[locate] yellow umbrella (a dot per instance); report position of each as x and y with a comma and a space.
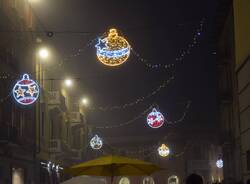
113, 166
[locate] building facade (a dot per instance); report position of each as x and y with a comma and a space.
16, 123
234, 90
52, 132
62, 130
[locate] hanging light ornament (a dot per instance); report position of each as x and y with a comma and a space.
112, 50
148, 180
155, 119
219, 163
163, 150
96, 142
51, 167
26, 91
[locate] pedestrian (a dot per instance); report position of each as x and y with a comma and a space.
194, 179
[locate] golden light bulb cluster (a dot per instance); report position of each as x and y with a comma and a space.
113, 50
163, 150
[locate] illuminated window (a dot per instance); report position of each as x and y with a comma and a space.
124, 180
148, 180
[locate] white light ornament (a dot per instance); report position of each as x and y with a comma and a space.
219, 163
155, 119
51, 167
96, 142
148, 180
112, 50
163, 150
26, 91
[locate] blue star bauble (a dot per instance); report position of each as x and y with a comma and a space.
25, 91
101, 44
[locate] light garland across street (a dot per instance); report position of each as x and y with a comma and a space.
143, 114
8, 76
179, 58
146, 151
125, 123
138, 100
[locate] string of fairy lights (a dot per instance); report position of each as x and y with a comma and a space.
183, 115
178, 59
112, 49
163, 150
90, 43
117, 125
138, 100
78, 52
141, 150
146, 151
156, 121
5, 98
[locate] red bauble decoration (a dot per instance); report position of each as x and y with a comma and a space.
155, 119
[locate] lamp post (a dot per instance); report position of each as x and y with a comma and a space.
42, 55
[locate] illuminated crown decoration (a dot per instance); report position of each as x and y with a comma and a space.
96, 142
112, 50
163, 150
26, 91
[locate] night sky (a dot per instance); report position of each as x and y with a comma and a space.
158, 31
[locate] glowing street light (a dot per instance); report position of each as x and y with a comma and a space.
85, 101
43, 53
68, 82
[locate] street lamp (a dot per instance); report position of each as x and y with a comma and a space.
68, 82
85, 101
43, 53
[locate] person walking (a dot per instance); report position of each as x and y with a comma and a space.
194, 179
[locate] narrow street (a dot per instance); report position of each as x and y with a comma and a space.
124, 92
